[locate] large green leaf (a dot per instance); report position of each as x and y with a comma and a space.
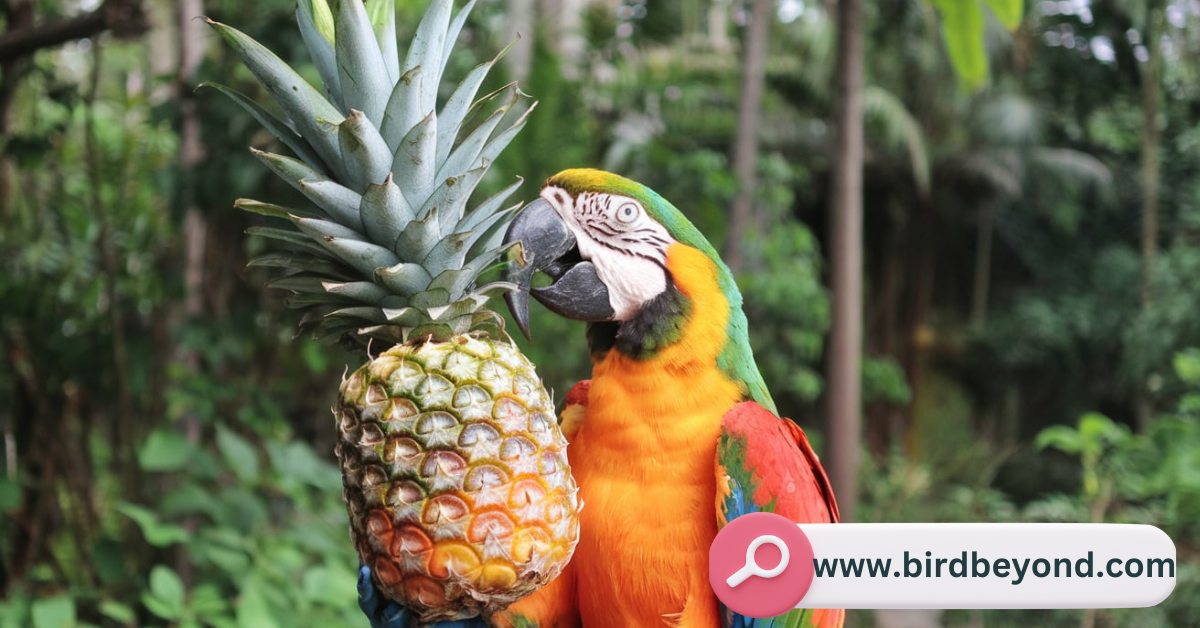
1187, 366
239, 453
166, 597
963, 28
1009, 12
118, 612
55, 612
10, 493
328, 584
899, 128
1098, 431
1060, 437
164, 450
157, 533
296, 461
210, 605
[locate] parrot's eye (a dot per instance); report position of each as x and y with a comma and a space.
627, 213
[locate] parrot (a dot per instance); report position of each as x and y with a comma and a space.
674, 435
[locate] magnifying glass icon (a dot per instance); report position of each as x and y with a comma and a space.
751, 567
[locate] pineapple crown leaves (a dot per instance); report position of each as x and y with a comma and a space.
389, 248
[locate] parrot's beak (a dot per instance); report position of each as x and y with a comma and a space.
546, 244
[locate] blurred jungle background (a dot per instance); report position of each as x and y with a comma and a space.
1031, 279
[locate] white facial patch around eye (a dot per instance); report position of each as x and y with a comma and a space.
627, 246
627, 213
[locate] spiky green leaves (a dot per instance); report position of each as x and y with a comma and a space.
390, 244
368, 161
361, 70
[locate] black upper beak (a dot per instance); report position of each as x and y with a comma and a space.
547, 245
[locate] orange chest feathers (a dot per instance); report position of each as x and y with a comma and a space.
643, 457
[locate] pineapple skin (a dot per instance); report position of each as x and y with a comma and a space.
455, 476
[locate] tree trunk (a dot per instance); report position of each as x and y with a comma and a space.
125, 18
124, 439
192, 41
19, 16
984, 234
717, 27
745, 146
191, 154
1151, 175
845, 341
522, 20
922, 275
562, 24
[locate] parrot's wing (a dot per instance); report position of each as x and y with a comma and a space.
765, 464
574, 407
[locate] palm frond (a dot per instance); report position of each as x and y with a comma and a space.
1008, 120
898, 129
1070, 166
999, 169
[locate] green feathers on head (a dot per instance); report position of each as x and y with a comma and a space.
659, 208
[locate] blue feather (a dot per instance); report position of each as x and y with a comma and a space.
736, 504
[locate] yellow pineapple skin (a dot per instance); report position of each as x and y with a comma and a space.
455, 476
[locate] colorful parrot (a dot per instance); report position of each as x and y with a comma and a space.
673, 436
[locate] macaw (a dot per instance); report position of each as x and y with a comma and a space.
674, 435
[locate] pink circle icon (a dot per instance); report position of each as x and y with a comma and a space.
760, 565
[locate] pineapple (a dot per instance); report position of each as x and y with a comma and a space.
455, 471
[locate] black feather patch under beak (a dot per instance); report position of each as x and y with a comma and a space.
547, 245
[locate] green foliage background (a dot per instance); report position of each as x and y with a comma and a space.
169, 463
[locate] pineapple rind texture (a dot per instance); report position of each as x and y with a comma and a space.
456, 477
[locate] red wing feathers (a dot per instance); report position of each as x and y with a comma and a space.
780, 464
